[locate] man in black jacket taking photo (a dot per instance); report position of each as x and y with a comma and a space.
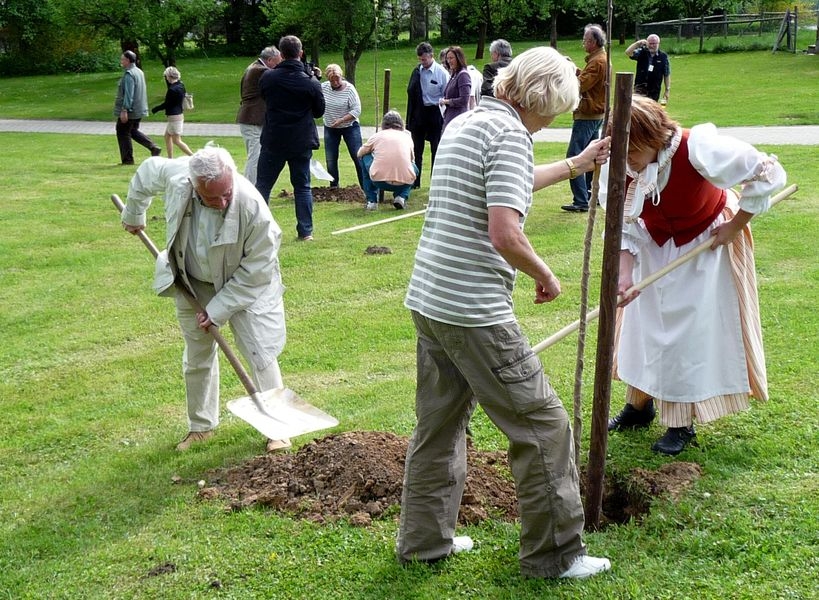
293, 99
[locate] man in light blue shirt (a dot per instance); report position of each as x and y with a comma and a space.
424, 119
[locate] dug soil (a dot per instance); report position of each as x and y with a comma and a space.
358, 476
350, 193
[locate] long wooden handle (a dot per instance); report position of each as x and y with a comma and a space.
381, 222
593, 314
195, 304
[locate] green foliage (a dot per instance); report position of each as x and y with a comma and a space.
347, 25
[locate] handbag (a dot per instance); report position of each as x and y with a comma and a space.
187, 103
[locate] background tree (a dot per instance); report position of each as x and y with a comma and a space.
161, 25
348, 25
245, 23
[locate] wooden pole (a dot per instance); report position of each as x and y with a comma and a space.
608, 298
387, 79
381, 222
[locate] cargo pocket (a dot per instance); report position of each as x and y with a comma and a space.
525, 384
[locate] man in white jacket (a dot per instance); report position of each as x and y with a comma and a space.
222, 243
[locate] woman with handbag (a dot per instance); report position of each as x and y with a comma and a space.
174, 111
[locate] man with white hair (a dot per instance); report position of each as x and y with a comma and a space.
470, 349
222, 244
500, 51
653, 68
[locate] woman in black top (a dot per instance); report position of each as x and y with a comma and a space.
173, 111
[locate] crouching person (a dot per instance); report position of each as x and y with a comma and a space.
222, 243
388, 162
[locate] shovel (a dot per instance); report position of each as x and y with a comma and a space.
279, 413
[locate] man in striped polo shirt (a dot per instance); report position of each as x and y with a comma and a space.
470, 349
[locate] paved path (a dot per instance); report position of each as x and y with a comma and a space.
780, 135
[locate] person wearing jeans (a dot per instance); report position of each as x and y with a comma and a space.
589, 114
271, 164
293, 100
342, 109
387, 162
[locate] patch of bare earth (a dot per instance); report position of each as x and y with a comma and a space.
350, 193
358, 476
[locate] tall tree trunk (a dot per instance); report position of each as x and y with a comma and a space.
233, 22
553, 33
481, 41
418, 21
444, 24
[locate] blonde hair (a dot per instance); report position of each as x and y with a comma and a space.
333, 68
541, 81
172, 73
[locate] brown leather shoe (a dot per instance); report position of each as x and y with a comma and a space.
193, 437
274, 445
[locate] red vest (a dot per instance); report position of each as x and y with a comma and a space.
688, 204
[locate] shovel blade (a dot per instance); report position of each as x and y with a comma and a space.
280, 414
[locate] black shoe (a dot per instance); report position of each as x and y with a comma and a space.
675, 440
156, 151
575, 208
631, 418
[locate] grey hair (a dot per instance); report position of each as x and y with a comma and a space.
541, 81
172, 73
269, 52
392, 120
210, 163
502, 47
597, 33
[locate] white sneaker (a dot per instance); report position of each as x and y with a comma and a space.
462, 543
398, 203
585, 566
371, 206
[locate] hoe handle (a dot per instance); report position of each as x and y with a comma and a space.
644, 283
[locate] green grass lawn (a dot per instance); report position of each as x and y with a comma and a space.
93, 398
94, 403
728, 89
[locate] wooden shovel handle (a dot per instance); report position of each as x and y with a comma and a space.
213, 329
593, 314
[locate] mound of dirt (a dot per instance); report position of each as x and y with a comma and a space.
351, 193
358, 476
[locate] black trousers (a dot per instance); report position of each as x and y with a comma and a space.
127, 132
429, 129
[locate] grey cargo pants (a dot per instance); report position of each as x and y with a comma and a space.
496, 367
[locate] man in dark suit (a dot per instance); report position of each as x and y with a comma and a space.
424, 119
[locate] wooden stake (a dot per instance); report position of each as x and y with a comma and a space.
608, 299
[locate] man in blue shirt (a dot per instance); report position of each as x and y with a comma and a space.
424, 118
